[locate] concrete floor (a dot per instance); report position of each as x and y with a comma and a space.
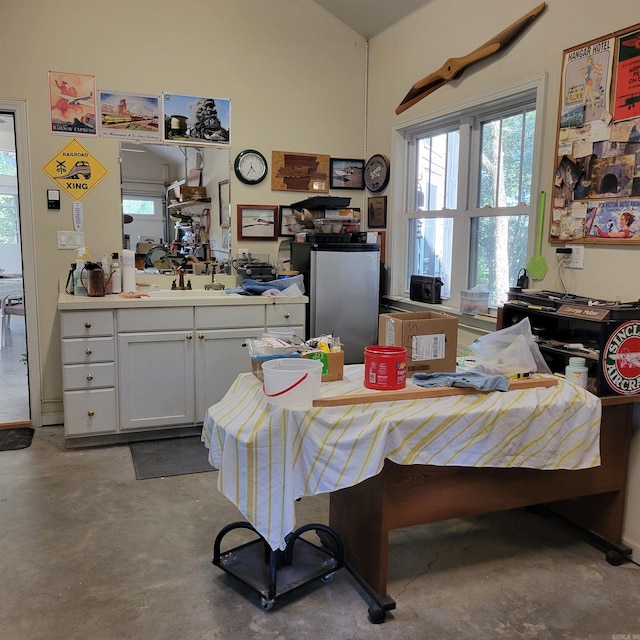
91, 553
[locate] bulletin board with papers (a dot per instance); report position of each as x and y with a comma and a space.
596, 190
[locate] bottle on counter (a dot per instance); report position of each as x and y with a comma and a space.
576, 372
116, 274
106, 268
78, 288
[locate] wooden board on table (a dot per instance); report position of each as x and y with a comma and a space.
414, 393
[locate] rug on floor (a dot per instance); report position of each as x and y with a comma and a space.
12, 439
169, 457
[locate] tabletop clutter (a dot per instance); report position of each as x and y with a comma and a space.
415, 348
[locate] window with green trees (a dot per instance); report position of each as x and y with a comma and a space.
469, 195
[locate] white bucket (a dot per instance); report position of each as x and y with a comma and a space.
292, 382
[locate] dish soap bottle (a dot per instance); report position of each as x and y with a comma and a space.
576, 372
78, 288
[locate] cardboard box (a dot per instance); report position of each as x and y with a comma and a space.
332, 364
472, 302
430, 338
192, 193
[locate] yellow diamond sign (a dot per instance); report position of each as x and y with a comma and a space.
75, 170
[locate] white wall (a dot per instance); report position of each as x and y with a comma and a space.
410, 50
294, 74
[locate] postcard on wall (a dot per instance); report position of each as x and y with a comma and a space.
72, 102
131, 116
586, 82
196, 119
627, 101
613, 219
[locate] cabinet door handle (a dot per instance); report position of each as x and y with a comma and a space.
87, 325
287, 315
189, 336
201, 336
91, 413
88, 351
89, 377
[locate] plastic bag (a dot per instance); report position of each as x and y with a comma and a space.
508, 352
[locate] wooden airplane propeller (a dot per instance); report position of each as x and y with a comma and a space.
454, 67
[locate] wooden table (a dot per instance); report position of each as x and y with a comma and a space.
402, 496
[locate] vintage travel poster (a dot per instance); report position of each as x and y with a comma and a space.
586, 83
129, 115
196, 119
72, 99
627, 103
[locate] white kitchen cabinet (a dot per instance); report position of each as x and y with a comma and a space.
89, 372
138, 369
155, 368
220, 355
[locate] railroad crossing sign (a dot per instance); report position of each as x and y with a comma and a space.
75, 170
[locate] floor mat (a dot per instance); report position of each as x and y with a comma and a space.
12, 439
169, 457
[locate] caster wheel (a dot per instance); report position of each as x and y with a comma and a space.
376, 615
329, 577
614, 558
267, 605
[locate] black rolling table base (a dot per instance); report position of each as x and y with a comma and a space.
271, 573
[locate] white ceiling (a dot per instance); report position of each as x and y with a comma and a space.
370, 17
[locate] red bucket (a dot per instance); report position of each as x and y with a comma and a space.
385, 367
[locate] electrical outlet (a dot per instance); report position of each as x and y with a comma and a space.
576, 261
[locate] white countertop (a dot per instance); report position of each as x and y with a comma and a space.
168, 298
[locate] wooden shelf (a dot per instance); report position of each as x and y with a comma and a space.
189, 203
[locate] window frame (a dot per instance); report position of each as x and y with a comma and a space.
404, 162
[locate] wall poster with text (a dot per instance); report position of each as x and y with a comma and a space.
596, 188
72, 102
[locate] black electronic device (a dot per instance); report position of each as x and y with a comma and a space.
425, 289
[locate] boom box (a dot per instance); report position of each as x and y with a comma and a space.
425, 289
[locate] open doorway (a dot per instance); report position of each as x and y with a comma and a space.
14, 409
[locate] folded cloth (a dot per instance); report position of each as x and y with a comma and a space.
462, 379
252, 287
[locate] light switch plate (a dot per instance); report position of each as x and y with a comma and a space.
70, 239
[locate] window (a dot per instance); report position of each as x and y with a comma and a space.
9, 228
141, 206
469, 194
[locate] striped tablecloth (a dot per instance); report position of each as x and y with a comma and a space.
269, 456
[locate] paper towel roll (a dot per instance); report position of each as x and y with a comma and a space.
128, 270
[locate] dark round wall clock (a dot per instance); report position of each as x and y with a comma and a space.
250, 166
376, 173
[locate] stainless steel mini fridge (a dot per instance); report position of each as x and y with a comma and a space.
342, 280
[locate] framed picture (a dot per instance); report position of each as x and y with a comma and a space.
346, 174
224, 203
288, 223
257, 221
293, 171
377, 212
130, 116
197, 119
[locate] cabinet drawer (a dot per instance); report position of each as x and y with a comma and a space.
165, 319
81, 350
90, 412
78, 324
89, 376
284, 315
232, 316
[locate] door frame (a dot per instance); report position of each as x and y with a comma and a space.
28, 249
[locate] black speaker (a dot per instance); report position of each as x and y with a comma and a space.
425, 289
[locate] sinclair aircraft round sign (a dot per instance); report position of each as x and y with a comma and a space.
622, 359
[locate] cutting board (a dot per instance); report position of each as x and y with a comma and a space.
414, 393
